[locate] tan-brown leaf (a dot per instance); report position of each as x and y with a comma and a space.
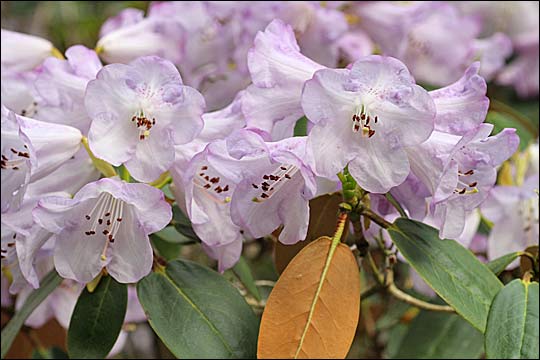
323, 212
287, 331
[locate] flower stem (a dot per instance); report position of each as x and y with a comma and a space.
396, 205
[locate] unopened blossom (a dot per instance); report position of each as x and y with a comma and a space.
130, 35
278, 71
106, 224
139, 113
364, 117
459, 171
61, 86
22, 52
275, 189
31, 149
514, 213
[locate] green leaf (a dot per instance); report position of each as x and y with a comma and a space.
182, 224
498, 265
197, 313
300, 129
451, 270
168, 250
170, 234
512, 326
10, 331
243, 272
435, 335
97, 320
501, 121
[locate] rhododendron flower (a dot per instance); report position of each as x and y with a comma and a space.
106, 224
276, 188
139, 113
210, 181
61, 86
463, 105
129, 35
22, 52
31, 149
365, 117
514, 213
419, 33
459, 171
278, 71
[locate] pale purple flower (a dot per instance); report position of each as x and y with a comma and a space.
278, 71
459, 171
106, 224
365, 117
354, 45
524, 72
22, 52
209, 182
19, 94
492, 53
28, 237
514, 213
208, 63
31, 149
277, 184
463, 105
129, 35
318, 29
139, 113
433, 39
217, 125
61, 86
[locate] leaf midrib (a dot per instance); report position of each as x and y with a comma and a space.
329, 257
199, 311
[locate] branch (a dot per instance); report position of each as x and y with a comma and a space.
388, 282
377, 219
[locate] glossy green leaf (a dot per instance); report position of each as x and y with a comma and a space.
512, 326
10, 331
243, 272
197, 313
97, 320
166, 249
182, 224
435, 335
451, 270
170, 234
498, 265
300, 129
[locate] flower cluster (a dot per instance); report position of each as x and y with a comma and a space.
211, 92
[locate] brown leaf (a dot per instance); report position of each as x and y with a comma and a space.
526, 263
303, 319
323, 212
